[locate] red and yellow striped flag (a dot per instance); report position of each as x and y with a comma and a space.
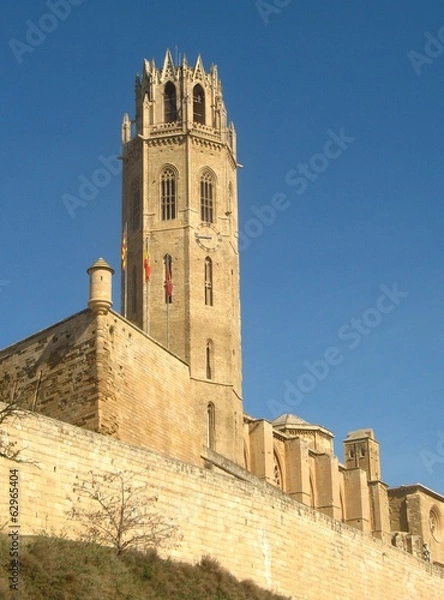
124, 250
147, 265
168, 279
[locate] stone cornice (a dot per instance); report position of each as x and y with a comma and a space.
414, 488
177, 136
280, 435
168, 140
294, 431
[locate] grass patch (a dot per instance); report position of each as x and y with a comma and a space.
58, 569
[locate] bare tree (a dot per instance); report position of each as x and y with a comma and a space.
13, 407
113, 510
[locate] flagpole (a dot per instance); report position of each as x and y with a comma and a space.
167, 289
168, 322
168, 294
126, 291
125, 301
147, 290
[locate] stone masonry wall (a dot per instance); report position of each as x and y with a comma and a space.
145, 392
54, 371
252, 529
102, 373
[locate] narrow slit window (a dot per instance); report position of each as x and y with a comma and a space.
209, 360
135, 205
134, 290
211, 426
208, 281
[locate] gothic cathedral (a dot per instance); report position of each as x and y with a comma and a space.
160, 386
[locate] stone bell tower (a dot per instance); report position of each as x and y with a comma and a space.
180, 215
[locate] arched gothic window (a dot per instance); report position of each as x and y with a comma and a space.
170, 105
209, 360
207, 198
435, 523
168, 264
134, 290
277, 472
168, 194
211, 426
198, 104
135, 205
208, 281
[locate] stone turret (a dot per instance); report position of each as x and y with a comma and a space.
100, 287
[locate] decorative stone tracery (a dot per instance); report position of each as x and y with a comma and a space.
277, 472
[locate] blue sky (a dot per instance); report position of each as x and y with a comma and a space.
351, 266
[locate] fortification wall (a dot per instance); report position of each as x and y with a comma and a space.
253, 530
102, 373
146, 395
55, 372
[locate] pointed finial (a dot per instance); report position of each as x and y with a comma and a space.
126, 129
168, 69
199, 71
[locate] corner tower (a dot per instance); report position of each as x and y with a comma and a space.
179, 211
361, 450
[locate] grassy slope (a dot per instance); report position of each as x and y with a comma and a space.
54, 569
